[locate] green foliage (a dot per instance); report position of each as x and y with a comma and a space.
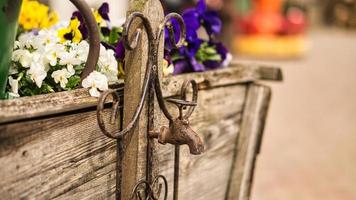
207, 53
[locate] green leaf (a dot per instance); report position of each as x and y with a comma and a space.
73, 82
215, 57
210, 50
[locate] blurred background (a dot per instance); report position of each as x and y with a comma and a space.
309, 146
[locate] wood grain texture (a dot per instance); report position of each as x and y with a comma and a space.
48, 104
60, 157
217, 120
66, 156
42, 105
248, 142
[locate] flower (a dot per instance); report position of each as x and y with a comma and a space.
104, 11
101, 14
25, 40
201, 16
167, 68
82, 27
120, 51
81, 50
197, 54
44, 38
95, 81
61, 76
14, 83
108, 65
53, 53
69, 58
97, 17
23, 56
35, 15
37, 73
71, 33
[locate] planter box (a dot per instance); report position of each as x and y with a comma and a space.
52, 148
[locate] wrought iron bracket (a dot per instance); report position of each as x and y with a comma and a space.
179, 131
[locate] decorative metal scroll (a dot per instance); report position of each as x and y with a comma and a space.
178, 132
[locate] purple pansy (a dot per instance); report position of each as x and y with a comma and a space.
120, 51
104, 11
195, 17
82, 27
222, 51
193, 57
186, 61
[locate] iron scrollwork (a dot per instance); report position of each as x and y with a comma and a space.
179, 131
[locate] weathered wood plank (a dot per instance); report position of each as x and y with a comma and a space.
217, 120
234, 74
60, 157
41, 105
69, 158
248, 142
44, 105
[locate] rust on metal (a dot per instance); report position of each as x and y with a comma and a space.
179, 131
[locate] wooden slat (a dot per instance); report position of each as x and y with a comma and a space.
41, 105
63, 157
234, 74
248, 142
217, 120
44, 105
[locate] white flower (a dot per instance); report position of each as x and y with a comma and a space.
25, 40
71, 69
108, 65
14, 83
46, 37
69, 58
61, 76
227, 60
53, 53
95, 81
24, 57
37, 73
81, 50
167, 69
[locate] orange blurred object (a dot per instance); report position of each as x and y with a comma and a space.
273, 6
266, 22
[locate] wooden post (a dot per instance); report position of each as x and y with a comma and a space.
134, 160
248, 142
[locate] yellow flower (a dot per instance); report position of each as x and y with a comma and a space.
35, 15
71, 33
97, 16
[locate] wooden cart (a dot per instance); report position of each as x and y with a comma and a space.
52, 148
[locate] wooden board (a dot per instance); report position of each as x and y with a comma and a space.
248, 142
60, 157
217, 119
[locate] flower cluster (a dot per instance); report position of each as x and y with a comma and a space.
199, 53
110, 36
42, 64
52, 60
35, 15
